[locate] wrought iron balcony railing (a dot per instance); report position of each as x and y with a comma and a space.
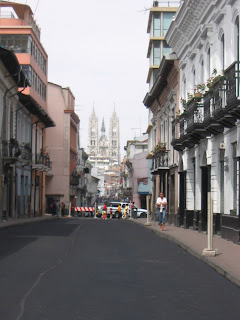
160, 160
10, 149
74, 180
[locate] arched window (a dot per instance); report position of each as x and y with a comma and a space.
209, 62
184, 88
222, 51
193, 77
237, 38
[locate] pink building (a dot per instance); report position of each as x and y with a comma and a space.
61, 144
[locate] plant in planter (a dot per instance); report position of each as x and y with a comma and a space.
161, 146
199, 90
214, 78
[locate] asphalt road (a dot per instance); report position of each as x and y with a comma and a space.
88, 269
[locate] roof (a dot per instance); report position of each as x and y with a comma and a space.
11, 63
19, 8
36, 109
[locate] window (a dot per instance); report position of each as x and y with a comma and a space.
156, 25
194, 77
156, 53
155, 73
209, 62
167, 19
221, 158
222, 51
202, 71
234, 155
166, 48
237, 38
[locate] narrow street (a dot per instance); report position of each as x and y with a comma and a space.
86, 269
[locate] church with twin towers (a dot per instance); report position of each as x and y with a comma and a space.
98, 143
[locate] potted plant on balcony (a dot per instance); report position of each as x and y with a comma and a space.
214, 78
161, 146
177, 115
199, 90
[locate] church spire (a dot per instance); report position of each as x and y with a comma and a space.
103, 130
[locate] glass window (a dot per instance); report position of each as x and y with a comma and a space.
222, 51
237, 38
234, 152
209, 62
156, 25
155, 73
167, 19
166, 48
156, 53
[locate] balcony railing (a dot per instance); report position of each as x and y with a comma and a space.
42, 161
74, 180
218, 108
160, 161
10, 149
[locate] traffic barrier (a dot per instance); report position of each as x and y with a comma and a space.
84, 209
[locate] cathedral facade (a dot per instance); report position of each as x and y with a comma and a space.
98, 144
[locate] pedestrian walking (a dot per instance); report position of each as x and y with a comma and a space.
125, 211
161, 208
110, 211
104, 212
119, 211
63, 209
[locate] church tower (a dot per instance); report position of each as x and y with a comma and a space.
93, 147
114, 137
103, 142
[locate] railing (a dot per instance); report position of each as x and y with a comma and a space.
7, 15
195, 113
42, 160
10, 149
232, 76
74, 180
160, 160
167, 3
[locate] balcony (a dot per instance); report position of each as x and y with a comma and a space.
41, 162
219, 108
11, 149
74, 180
232, 75
160, 162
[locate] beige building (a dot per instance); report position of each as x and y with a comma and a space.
61, 144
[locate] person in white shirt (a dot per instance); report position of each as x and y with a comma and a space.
161, 208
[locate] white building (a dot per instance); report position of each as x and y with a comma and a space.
205, 36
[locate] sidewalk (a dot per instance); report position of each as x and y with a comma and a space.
227, 262
21, 221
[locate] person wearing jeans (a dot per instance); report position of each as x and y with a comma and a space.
161, 209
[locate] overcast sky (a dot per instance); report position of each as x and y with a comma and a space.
98, 49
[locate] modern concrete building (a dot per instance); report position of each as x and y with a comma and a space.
20, 33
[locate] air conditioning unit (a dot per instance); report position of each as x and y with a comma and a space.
222, 146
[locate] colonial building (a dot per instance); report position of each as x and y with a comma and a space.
136, 181
161, 101
205, 36
20, 33
61, 144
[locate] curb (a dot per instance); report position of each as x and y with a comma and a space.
16, 222
228, 275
